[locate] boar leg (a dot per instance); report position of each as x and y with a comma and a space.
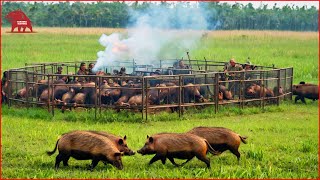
94, 163
186, 161
156, 158
163, 160
59, 158
302, 99
65, 160
236, 153
172, 161
296, 99
203, 158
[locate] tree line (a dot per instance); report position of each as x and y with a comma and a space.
221, 16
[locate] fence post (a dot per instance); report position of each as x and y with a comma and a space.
216, 93
263, 92
52, 100
142, 93
44, 70
147, 91
9, 89
99, 94
242, 89
180, 94
48, 93
285, 82
95, 98
278, 85
291, 83
206, 64
27, 89
261, 84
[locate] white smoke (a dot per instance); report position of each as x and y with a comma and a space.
156, 33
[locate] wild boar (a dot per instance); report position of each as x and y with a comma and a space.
304, 90
119, 142
174, 145
83, 145
191, 92
220, 138
227, 95
256, 91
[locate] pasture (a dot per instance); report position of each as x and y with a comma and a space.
282, 141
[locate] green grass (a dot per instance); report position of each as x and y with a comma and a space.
282, 143
284, 49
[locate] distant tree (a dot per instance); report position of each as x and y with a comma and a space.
116, 14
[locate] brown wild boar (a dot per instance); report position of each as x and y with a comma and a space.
173, 145
83, 145
119, 142
256, 91
220, 138
227, 95
305, 90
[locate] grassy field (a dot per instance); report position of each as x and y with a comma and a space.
282, 143
284, 49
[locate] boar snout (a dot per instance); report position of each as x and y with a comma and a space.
130, 153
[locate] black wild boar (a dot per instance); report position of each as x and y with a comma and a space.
173, 145
110, 95
83, 145
303, 90
119, 142
220, 138
60, 89
90, 92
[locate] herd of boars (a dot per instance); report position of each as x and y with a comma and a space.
108, 148
128, 93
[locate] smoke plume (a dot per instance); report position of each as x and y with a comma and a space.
158, 32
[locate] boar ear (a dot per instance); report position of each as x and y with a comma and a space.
125, 137
120, 141
147, 136
151, 139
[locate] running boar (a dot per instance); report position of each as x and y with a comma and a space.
220, 138
173, 145
305, 90
83, 145
119, 142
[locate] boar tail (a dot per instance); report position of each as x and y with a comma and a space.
211, 150
55, 148
243, 139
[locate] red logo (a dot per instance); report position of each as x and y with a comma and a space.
19, 19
